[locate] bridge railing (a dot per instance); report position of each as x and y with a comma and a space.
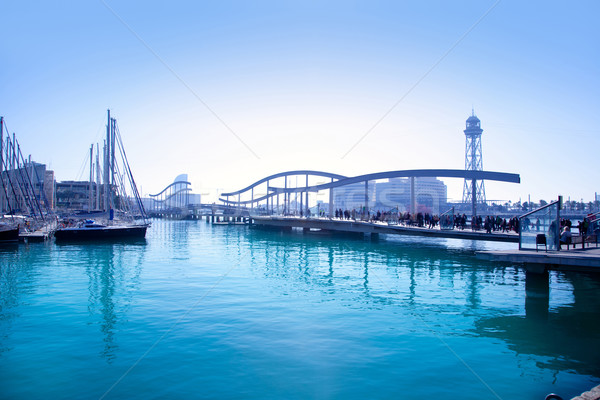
540, 227
447, 220
593, 225
392, 216
594, 220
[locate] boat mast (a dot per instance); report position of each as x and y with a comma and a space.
91, 191
112, 153
107, 167
112, 166
2, 163
18, 201
97, 176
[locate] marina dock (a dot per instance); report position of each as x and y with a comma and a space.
37, 236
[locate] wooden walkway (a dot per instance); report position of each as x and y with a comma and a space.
375, 228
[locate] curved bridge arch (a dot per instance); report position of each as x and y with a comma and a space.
286, 174
344, 181
411, 173
173, 197
170, 186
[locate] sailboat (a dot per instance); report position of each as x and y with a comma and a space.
9, 228
9, 233
121, 206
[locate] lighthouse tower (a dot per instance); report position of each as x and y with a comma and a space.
473, 191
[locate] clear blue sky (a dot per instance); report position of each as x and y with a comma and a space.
231, 91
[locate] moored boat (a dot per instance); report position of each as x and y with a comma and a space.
9, 233
121, 204
100, 232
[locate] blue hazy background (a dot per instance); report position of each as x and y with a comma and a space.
300, 83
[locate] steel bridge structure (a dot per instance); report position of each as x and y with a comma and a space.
268, 197
175, 197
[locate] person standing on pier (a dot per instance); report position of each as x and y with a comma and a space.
552, 235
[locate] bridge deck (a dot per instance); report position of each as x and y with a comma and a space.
538, 261
340, 225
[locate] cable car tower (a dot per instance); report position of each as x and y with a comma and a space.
473, 191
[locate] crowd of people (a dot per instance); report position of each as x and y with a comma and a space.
497, 223
445, 221
488, 223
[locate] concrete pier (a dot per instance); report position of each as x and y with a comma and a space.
375, 228
587, 260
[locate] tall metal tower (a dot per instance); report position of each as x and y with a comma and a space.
473, 190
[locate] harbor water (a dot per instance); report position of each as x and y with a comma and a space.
229, 312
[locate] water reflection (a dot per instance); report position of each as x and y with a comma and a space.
567, 336
473, 288
452, 281
365, 283
383, 268
174, 233
330, 258
9, 294
19, 274
113, 271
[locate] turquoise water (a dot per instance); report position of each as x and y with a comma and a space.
197, 311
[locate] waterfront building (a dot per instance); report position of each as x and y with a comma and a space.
75, 195
352, 196
28, 185
49, 191
431, 195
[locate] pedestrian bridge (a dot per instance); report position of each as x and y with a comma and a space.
266, 192
374, 228
173, 197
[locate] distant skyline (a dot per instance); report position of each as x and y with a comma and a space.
230, 92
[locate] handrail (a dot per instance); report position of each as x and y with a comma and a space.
446, 212
539, 209
554, 225
447, 225
594, 214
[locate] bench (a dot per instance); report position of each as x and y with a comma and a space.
592, 239
575, 240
